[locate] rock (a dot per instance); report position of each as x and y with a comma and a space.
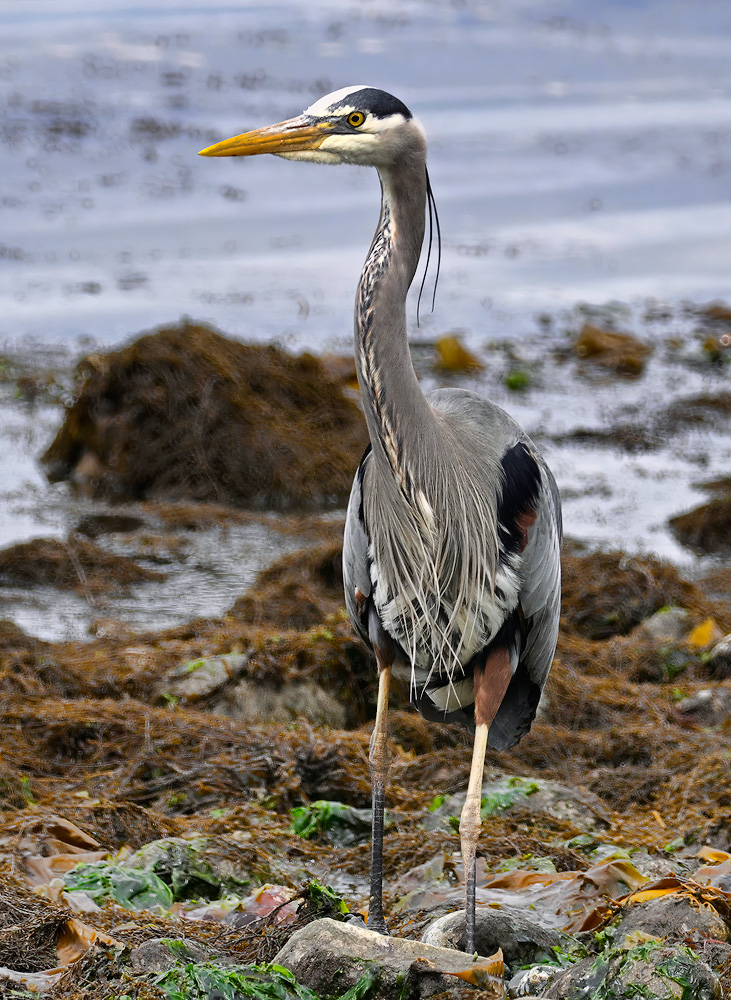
708, 707
705, 529
672, 917
327, 952
524, 982
717, 954
719, 659
519, 936
160, 954
249, 701
668, 625
199, 679
186, 414
540, 796
619, 352
650, 970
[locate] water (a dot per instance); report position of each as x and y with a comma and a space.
577, 152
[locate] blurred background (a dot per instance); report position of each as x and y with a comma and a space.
580, 156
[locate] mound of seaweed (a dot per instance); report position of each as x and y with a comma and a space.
187, 414
74, 564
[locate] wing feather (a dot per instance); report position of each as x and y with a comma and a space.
356, 561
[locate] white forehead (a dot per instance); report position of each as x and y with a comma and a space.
321, 106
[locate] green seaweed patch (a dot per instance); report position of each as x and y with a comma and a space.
513, 790
246, 982
180, 864
608, 975
132, 888
206, 980
341, 824
322, 897
517, 381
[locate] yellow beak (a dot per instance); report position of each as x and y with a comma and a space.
285, 137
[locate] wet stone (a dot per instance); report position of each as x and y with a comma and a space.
198, 679
249, 701
524, 983
327, 952
650, 970
519, 936
667, 625
707, 707
540, 796
160, 954
672, 917
719, 658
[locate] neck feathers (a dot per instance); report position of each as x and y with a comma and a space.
394, 403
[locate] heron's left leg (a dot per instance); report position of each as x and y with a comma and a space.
491, 683
380, 761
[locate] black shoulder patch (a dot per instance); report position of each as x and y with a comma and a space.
517, 506
375, 102
359, 474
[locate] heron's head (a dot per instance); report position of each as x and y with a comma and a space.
354, 125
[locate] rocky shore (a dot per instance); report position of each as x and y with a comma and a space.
184, 811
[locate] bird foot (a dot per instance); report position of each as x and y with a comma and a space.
379, 926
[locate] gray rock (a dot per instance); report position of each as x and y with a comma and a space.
515, 932
669, 626
719, 658
329, 956
524, 982
666, 972
708, 707
541, 796
672, 917
717, 954
248, 701
199, 679
160, 954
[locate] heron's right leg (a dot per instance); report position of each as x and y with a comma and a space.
380, 760
491, 683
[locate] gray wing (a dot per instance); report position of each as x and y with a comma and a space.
356, 563
540, 596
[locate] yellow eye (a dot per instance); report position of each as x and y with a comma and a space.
356, 119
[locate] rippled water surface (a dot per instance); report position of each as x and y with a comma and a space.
577, 152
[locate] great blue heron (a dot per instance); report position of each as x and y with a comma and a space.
452, 537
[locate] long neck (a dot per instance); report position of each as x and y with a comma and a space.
395, 408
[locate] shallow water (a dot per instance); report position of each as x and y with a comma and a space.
576, 153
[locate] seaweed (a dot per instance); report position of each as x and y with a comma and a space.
187, 414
